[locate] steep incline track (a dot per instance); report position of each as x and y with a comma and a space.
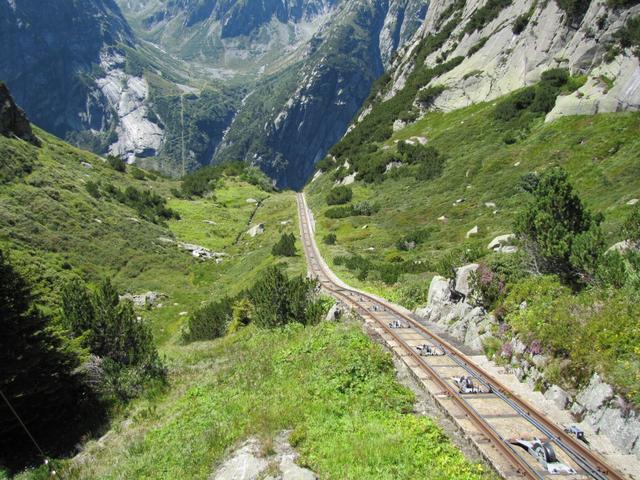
491, 418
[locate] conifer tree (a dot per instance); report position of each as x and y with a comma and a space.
36, 376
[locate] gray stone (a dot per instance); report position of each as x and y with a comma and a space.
623, 432
463, 278
596, 394
291, 471
472, 232
577, 410
334, 313
633, 201
518, 347
623, 246
439, 291
245, 464
501, 241
558, 396
145, 299
540, 361
256, 230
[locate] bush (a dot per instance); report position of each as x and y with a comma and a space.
137, 173
116, 163
278, 300
359, 209
575, 9
241, 315
339, 195
330, 239
427, 95
535, 100
478, 45
109, 328
148, 204
209, 322
520, 23
550, 224
388, 272
285, 247
326, 164
485, 14
92, 189
414, 238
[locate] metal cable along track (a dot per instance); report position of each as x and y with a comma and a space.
524, 465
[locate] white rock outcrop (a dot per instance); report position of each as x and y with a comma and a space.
128, 96
506, 61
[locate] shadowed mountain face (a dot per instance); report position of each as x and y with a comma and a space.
50, 53
190, 82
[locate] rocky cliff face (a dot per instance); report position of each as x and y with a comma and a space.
13, 121
510, 49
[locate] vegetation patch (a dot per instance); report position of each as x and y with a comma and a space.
339, 195
486, 14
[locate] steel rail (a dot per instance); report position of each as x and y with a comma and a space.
521, 466
589, 461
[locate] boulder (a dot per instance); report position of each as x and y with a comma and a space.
439, 291
245, 464
472, 232
334, 313
256, 230
633, 201
420, 140
501, 241
251, 200
490, 204
398, 125
291, 471
392, 166
463, 278
443, 219
86, 165
622, 431
201, 252
144, 299
557, 396
577, 410
348, 180
623, 246
595, 395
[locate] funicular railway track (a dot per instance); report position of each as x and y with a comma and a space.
494, 415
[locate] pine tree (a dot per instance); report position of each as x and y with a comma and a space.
36, 375
286, 246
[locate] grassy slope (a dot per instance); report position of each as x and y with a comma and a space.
49, 223
329, 383
599, 152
